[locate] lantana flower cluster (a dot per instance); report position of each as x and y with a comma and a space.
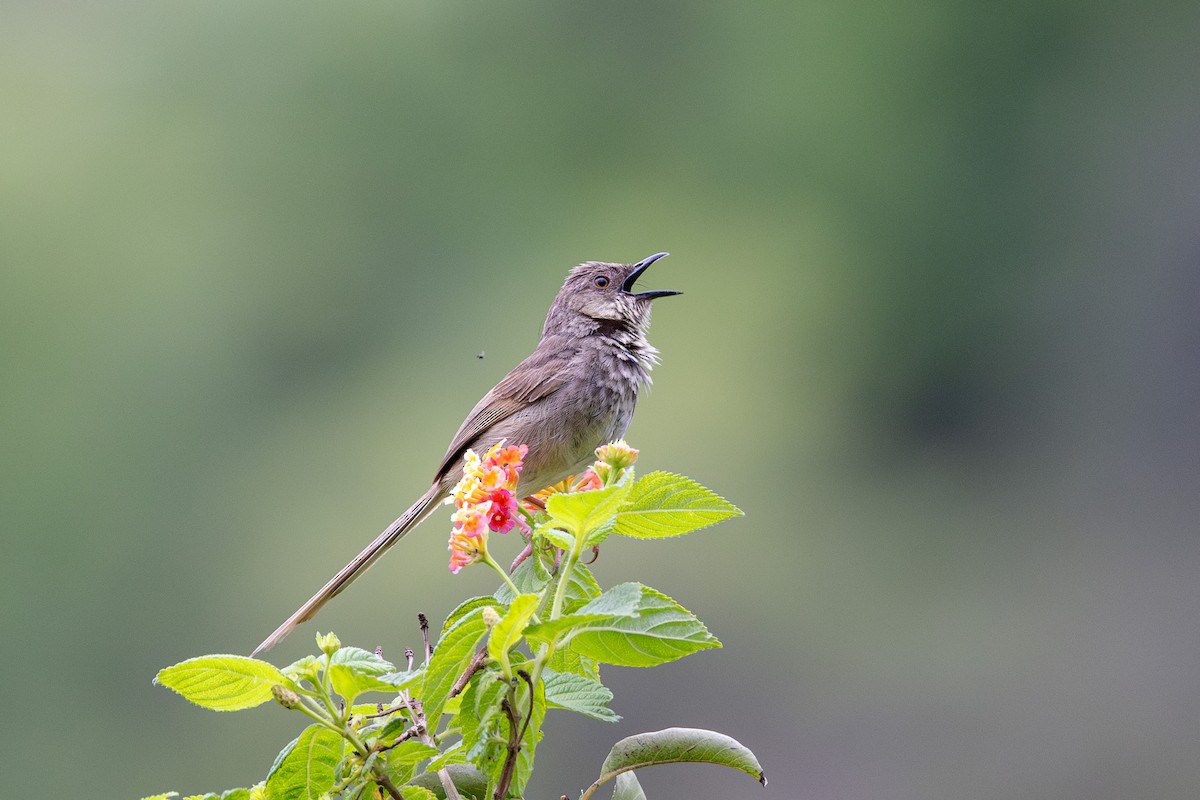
484, 501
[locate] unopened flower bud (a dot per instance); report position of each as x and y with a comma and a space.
285, 696
617, 455
328, 643
491, 617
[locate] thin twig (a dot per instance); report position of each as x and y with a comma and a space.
476, 664
383, 780
411, 733
529, 716
514, 748
447, 784
385, 712
424, 622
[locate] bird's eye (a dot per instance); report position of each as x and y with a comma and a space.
600, 280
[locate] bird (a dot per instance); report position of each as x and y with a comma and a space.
575, 392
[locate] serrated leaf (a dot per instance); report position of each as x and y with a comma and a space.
454, 754
300, 666
395, 726
557, 537
579, 694
307, 768
624, 599
480, 713
675, 745
353, 671
403, 680
662, 504
533, 735
530, 577
567, 660
580, 512
222, 682
362, 661
627, 788
598, 534
509, 630
466, 607
416, 793
454, 652
659, 632
402, 760
411, 752
552, 630
349, 683
582, 587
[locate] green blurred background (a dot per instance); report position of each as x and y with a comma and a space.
939, 340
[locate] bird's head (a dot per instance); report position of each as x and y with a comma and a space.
604, 293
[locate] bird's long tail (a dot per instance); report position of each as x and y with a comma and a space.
346, 575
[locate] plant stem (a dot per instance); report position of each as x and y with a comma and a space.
486, 557
564, 578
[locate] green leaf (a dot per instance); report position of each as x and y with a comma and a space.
480, 715
624, 599
307, 767
628, 788
675, 745
582, 588
301, 667
557, 537
567, 660
353, 671
396, 725
350, 683
469, 781
533, 735
530, 577
508, 632
454, 754
410, 752
361, 661
660, 630
416, 793
581, 512
663, 504
598, 534
163, 796
579, 694
402, 759
552, 630
222, 682
454, 652
466, 607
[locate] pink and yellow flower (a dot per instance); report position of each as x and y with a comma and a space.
464, 550
484, 501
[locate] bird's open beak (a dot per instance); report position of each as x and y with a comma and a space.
638, 269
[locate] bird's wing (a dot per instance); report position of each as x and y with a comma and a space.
537, 377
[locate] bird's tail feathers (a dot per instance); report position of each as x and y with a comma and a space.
361, 563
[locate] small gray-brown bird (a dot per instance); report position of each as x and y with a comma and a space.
575, 392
